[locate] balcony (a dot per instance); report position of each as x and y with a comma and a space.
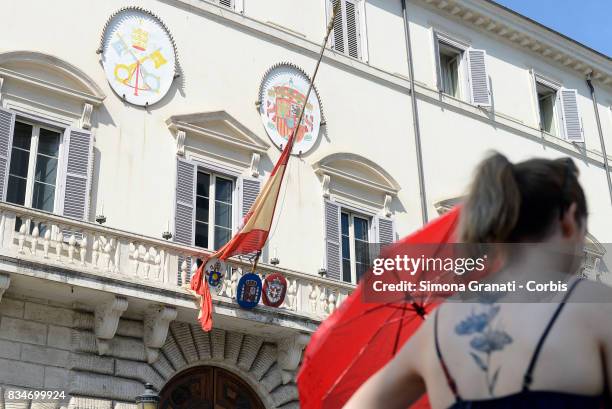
70, 261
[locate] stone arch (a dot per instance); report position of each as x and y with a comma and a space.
59, 72
113, 379
248, 356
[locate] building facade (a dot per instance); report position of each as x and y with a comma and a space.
125, 154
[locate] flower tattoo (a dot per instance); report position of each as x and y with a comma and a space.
485, 340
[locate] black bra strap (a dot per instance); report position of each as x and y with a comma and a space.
449, 379
528, 378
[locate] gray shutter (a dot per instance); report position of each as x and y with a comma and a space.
332, 240
385, 231
184, 215
479, 80
250, 191
184, 210
571, 117
77, 184
7, 123
438, 66
338, 39
352, 29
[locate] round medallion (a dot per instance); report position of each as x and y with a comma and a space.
215, 270
249, 290
281, 96
274, 290
138, 56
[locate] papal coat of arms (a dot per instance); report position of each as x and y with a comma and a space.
274, 290
281, 98
215, 270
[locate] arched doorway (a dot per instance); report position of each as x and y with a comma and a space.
208, 387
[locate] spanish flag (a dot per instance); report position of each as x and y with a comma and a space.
250, 238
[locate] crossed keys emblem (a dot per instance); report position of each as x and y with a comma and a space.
135, 75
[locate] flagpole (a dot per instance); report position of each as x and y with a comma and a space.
330, 27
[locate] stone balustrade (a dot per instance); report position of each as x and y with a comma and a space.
58, 241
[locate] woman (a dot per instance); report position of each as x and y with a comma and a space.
501, 353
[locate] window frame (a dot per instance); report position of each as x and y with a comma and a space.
213, 175
362, 28
463, 86
37, 125
538, 78
352, 241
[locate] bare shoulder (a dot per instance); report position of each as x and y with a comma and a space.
593, 301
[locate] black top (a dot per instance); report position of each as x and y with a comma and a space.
526, 398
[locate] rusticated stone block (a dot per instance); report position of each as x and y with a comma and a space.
130, 328
184, 339
202, 342
163, 366
233, 343
21, 373
173, 353
104, 386
56, 378
284, 394
248, 352
59, 337
272, 379
91, 363
44, 355
217, 339
9, 349
15, 329
264, 360
11, 308
83, 320
46, 314
139, 371
89, 403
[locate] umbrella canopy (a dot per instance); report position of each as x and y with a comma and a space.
360, 338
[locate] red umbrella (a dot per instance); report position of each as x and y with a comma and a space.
359, 338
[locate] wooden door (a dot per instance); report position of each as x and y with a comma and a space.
208, 388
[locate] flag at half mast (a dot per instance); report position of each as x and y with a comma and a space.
252, 236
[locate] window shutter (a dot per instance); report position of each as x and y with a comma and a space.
438, 66
385, 231
7, 122
338, 39
77, 183
184, 215
250, 191
571, 117
184, 210
332, 240
352, 29
479, 80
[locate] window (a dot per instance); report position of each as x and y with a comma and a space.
347, 28
450, 62
34, 166
214, 214
547, 102
355, 246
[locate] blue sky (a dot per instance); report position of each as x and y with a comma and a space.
586, 21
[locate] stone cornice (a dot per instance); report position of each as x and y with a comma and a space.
526, 34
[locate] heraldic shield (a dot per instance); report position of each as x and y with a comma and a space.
274, 290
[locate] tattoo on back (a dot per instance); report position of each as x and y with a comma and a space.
486, 340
